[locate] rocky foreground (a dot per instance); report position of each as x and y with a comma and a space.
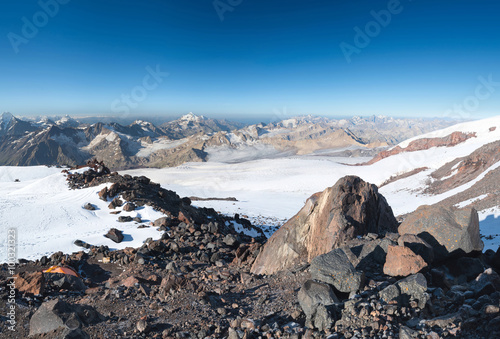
343, 267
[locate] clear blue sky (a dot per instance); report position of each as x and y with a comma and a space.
262, 57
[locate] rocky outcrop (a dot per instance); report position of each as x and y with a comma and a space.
350, 208
451, 140
446, 230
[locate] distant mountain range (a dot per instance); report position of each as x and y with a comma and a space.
69, 141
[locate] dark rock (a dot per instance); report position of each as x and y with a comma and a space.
413, 287
489, 276
89, 206
129, 207
115, 235
418, 246
137, 219
66, 281
351, 208
335, 268
312, 294
55, 314
230, 240
446, 230
469, 267
116, 202
124, 218
81, 243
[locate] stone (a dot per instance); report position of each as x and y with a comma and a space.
89, 206
418, 246
32, 283
124, 218
129, 207
335, 268
466, 266
489, 276
312, 294
446, 230
230, 240
403, 291
56, 313
116, 202
115, 235
142, 326
65, 281
103, 194
402, 261
328, 220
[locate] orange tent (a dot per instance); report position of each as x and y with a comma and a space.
61, 269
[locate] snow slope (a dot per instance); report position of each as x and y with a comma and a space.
49, 217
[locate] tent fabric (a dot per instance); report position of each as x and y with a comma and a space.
61, 269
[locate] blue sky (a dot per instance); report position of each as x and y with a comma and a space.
251, 58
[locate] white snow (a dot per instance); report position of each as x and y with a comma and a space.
49, 216
470, 201
160, 144
490, 227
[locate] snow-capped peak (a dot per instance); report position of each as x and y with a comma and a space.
5, 119
192, 117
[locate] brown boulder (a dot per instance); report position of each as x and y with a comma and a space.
402, 261
32, 283
129, 207
350, 208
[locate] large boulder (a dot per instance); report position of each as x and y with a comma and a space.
446, 230
350, 208
31, 283
55, 314
334, 268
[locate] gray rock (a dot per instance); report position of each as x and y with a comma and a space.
230, 240
413, 287
89, 206
312, 295
124, 218
55, 314
115, 235
446, 230
335, 268
407, 333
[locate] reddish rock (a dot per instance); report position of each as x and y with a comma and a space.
130, 281
351, 208
129, 207
453, 139
103, 194
493, 128
32, 283
401, 262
